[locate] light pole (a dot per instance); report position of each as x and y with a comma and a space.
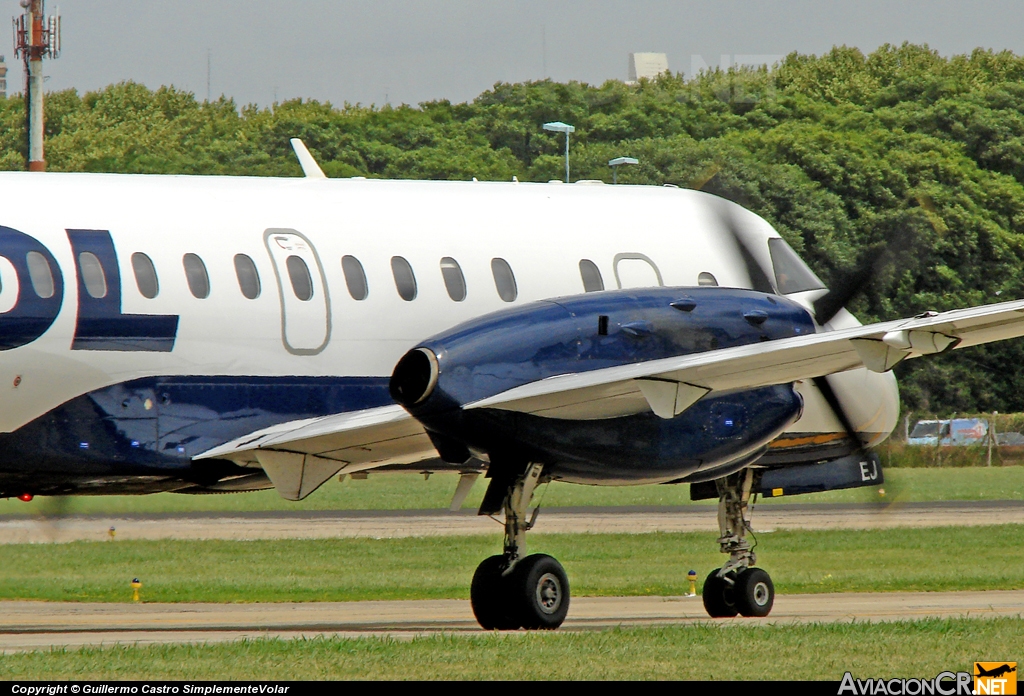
559, 127
618, 162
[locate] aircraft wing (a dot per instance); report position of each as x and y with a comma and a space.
299, 456
671, 385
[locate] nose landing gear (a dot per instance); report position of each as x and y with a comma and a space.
508, 591
737, 587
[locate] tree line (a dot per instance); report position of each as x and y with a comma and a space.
841, 153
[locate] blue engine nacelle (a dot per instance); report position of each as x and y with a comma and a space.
507, 349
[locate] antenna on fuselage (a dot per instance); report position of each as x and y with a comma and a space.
309, 166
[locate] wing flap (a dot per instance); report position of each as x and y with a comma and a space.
669, 398
376, 436
294, 475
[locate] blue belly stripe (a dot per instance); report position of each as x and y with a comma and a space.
156, 425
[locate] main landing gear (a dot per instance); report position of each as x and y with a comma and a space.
509, 591
737, 587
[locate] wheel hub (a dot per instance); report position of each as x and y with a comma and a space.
549, 593
761, 594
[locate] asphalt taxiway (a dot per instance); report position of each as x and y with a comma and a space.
42, 625
418, 523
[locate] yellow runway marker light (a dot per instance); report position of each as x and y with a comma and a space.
111, 532
692, 577
136, 586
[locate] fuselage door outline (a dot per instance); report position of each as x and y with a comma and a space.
305, 322
636, 271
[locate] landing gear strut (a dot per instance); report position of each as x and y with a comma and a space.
509, 591
737, 587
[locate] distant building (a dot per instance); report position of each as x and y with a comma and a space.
648, 65
3, 77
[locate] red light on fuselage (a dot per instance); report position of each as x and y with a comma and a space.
26, 497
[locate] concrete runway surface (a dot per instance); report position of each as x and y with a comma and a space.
41, 625
414, 523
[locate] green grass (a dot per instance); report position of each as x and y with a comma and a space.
698, 652
411, 492
438, 567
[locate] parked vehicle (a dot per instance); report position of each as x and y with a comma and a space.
958, 431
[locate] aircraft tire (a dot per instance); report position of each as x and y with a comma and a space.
492, 598
542, 591
754, 592
718, 597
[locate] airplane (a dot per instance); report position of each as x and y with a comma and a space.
215, 334
995, 671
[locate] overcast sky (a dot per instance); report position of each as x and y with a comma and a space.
416, 50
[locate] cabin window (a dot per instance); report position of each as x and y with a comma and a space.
791, 274
592, 280
405, 279
302, 282
355, 277
707, 280
145, 275
504, 280
92, 275
196, 275
248, 277
454, 281
40, 274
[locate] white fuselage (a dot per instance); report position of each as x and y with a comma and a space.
636, 236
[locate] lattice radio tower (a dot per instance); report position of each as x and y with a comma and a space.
36, 36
